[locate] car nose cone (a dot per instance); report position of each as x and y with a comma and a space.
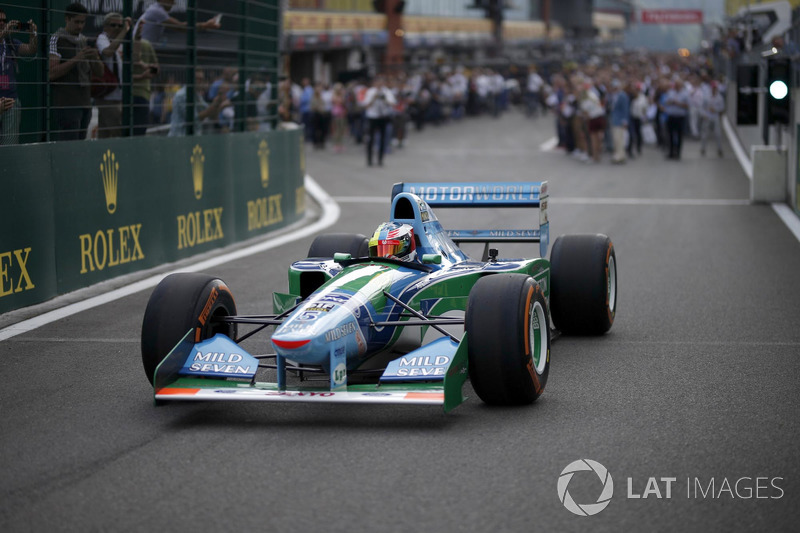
311, 332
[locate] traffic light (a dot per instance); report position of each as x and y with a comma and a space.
779, 86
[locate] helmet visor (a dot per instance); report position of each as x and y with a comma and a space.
389, 247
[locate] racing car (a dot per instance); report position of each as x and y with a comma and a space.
404, 316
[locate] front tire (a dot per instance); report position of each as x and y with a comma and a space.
583, 290
508, 336
181, 302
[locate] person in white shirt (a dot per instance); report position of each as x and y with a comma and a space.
482, 86
378, 104
534, 91
696, 98
109, 44
460, 86
710, 113
497, 86
638, 117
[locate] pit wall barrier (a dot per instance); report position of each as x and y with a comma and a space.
73, 214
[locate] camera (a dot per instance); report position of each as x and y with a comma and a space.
24, 26
92, 42
153, 69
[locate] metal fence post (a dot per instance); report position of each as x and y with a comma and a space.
127, 73
242, 56
191, 44
47, 30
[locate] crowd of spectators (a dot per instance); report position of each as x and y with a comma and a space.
612, 106
619, 104
379, 112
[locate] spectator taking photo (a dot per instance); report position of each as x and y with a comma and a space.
10, 50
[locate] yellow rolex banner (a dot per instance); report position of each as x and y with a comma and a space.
27, 230
68, 222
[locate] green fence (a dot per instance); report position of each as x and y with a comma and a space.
246, 39
77, 213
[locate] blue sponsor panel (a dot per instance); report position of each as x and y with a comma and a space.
479, 194
219, 357
428, 363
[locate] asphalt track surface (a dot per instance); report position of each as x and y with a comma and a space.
697, 380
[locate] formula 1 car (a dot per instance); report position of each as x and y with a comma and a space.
353, 325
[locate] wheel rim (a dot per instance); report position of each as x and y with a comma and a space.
538, 337
612, 284
225, 328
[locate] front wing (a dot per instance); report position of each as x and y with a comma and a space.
171, 382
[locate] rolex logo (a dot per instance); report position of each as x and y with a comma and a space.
197, 170
109, 169
263, 159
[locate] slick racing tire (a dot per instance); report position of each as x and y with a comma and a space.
324, 246
181, 302
508, 339
583, 284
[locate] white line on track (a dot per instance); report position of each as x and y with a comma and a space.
650, 201
363, 199
789, 218
582, 201
741, 155
82, 340
330, 214
608, 341
783, 211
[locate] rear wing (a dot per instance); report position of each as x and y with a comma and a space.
488, 194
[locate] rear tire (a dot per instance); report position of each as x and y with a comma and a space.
181, 302
324, 246
583, 284
508, 336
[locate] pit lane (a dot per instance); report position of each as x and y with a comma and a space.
697, 378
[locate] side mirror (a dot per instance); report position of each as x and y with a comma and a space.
428, 259
339, 257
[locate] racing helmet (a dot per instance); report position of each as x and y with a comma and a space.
393, 240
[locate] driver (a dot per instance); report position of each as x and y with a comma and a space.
394, 241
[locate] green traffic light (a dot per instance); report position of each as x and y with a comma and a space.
778, 90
